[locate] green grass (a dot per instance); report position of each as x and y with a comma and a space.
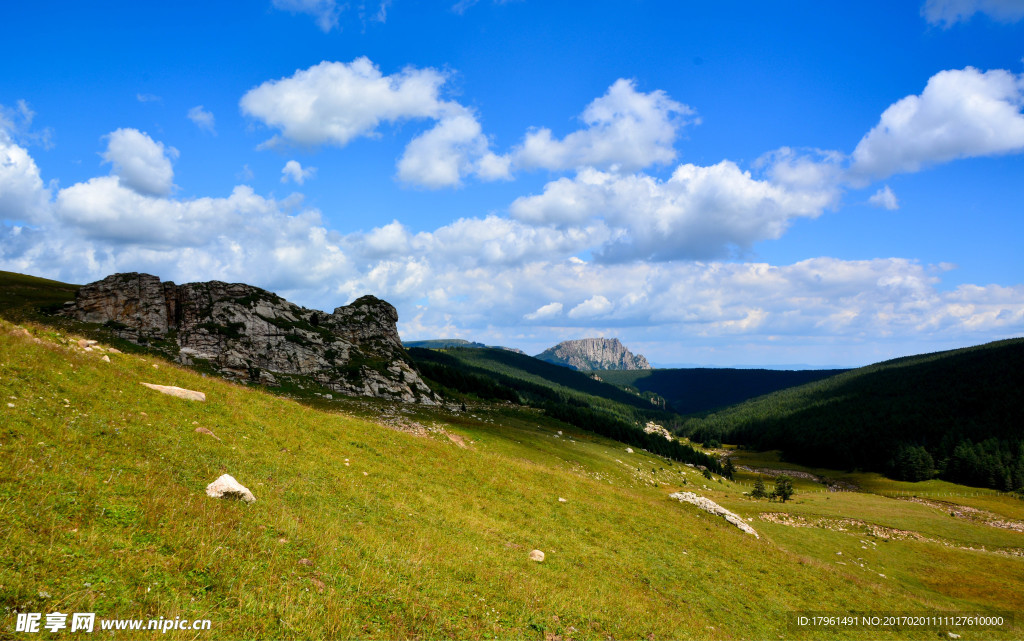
102, 506
22, 296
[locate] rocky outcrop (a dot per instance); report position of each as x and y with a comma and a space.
246, 333
594, 353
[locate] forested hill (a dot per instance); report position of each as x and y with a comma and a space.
693, 390
958, 415
563, 394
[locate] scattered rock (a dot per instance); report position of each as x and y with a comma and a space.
714, 508
114, 350
953, 635
536, 555
203, 430
629, 450
455, 438
180, 392
561, 500
83, 343
105, 359
226, 487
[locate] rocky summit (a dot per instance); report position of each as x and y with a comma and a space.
594, 353
246, 333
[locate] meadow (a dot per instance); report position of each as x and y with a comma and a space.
380, 520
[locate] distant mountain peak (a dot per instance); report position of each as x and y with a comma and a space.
594, 353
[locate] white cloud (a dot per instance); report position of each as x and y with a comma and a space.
148, 97
202, 118
700, 212
334, 102
949, 12
625, 129
325, 12
16, 124
295, 172
23, 197
483, 277
593, 306
453, 148
960, 114
885, 199
140, 163
545, 312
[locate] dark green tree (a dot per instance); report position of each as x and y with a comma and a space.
728, 470
759, 491
783, 488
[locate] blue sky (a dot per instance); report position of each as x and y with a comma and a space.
740, 183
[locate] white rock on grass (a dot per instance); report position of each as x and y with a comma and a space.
226, 487
714, 508
536, 555
180, 392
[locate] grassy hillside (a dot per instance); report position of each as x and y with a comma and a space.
421, 529
693, 390
954, 414
22, 296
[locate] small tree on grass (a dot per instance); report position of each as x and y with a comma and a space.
783, 488
728, 470
759, 491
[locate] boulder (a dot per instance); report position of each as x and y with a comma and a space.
536, 555
180, 392
226, 487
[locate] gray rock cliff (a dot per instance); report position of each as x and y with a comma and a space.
594, 353
250, 334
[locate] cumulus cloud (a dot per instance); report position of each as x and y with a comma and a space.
625, 128
202, 118
885, 199
23, 197
455, 147
140, 163
949, 12
545, 312
334, 102
960, 114
484, 277
295, 172
700, 212
593, 306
